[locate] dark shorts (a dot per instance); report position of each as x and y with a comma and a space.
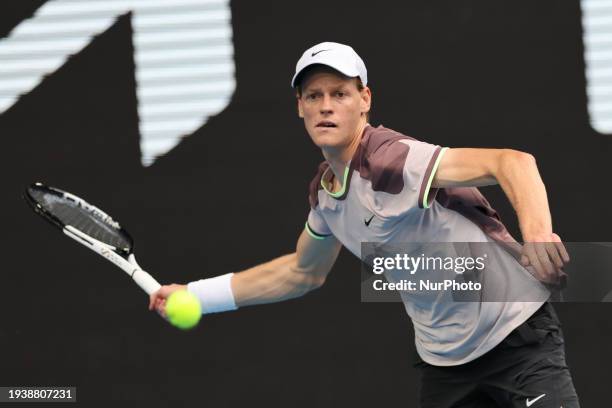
526, 370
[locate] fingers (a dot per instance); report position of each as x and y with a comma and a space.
547, 259
560, 248
554, 255
160, 306
153, 300
562, 251
529, 250
157, 300
525, 260
158, 303
549, 270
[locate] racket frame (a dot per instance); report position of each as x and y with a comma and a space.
124, 258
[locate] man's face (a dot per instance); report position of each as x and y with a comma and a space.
333, 108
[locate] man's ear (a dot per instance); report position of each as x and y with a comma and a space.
366, 100
299, 107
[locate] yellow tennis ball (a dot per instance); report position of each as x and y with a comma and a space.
183, 309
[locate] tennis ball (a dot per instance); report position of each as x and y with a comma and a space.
183, 309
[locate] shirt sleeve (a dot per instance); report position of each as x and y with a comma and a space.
419, 170
316, 226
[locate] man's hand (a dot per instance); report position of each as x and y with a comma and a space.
547, 255
157, 300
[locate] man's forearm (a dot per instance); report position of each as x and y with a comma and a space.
274, 281
283, 278
520, 179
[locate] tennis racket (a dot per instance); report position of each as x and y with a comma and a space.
91, 227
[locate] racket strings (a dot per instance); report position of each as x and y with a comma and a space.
89, 222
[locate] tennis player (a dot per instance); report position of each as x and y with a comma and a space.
378, 185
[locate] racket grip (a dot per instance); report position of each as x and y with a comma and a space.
145, 281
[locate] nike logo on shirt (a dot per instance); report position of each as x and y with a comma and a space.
367, 222
533, 401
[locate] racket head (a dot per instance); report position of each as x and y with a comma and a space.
61, 209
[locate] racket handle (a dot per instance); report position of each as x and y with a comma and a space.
145, 281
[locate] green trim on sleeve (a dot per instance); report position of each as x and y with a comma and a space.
431, 177
341, 191
314, 234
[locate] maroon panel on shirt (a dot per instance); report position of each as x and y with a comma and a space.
378, 158
469, 202
381, 160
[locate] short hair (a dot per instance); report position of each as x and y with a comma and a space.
311, 69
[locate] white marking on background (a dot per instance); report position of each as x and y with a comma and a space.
597, 38
183, 53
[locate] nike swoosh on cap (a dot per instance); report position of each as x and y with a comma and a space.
317, 52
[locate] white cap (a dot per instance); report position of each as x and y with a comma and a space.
340, 57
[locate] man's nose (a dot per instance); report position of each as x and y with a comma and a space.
326, 105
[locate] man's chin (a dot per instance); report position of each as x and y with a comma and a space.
327, 137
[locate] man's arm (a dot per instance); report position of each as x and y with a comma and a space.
517, 174
289, 276
285, 277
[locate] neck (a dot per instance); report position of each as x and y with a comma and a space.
338, 157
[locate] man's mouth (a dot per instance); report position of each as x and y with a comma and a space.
326, 124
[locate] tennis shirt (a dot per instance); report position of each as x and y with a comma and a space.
387, 197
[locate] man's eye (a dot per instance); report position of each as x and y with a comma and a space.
340, 94
311, 96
